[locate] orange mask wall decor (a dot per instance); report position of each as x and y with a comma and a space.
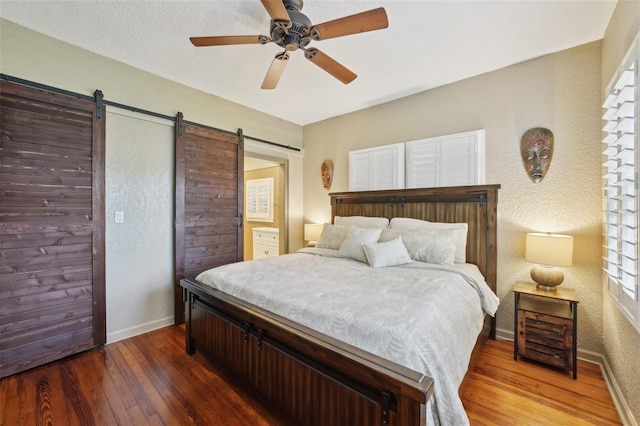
326, 170
536, 148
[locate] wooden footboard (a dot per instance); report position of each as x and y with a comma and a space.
309, 377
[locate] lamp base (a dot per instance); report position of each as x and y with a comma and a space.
547, 278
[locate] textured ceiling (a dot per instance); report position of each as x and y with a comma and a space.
428, 44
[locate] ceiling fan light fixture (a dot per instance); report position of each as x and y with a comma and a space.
291, 41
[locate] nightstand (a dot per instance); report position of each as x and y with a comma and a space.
546, 325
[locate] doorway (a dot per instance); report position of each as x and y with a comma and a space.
268, 174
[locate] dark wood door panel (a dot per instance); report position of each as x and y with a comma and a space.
209, 197
48, 315
51, 227
32, 354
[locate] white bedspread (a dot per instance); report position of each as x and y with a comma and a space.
422, 316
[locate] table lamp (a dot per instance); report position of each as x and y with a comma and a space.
548, 250
312, 233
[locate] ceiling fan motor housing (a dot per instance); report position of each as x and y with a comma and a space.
298, 34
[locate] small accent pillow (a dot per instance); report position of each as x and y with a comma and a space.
389, 253
431, 246
361, 221
408, 223
332, 236
356, 237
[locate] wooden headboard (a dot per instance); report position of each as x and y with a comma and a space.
475, 205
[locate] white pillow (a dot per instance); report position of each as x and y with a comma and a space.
431, 246
356, 237
390, 234
461, 240
388, 253
332, 236
361, 221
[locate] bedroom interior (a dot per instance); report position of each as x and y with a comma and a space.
562, 90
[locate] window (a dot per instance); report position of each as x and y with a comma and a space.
377, 168
259, 200
451, 160
620, 181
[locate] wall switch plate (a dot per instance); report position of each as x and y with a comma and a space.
119, 217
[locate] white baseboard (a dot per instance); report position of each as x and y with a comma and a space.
139, 329
596, 358
620, 402
502, 334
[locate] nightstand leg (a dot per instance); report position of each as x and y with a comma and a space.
515, 325
574, 308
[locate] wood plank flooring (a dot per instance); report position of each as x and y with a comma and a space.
150, 380
502, 391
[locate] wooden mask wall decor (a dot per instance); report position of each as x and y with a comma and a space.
326, 170
536, 148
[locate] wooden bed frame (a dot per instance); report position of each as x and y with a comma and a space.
311, 378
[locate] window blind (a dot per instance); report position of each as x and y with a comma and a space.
620, 181
450, 160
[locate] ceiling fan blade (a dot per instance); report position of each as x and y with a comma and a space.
329, 65
226, 40
277, 11
275, 71
375, 19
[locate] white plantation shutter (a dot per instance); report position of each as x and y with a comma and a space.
388, 170
377, 168
620, 181
450, 160
422, 161
359, 171
458, 156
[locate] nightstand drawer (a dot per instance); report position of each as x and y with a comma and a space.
543, 326
545, 338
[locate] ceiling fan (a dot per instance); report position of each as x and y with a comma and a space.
293, 30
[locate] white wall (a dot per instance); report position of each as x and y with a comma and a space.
139, 252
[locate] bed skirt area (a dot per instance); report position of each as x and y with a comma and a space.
306, 376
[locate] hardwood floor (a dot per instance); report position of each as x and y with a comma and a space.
502, 391
150, 380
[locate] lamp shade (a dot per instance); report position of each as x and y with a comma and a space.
549, 249
312, 231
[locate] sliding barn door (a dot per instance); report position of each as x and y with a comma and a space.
52, 300
209, 200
